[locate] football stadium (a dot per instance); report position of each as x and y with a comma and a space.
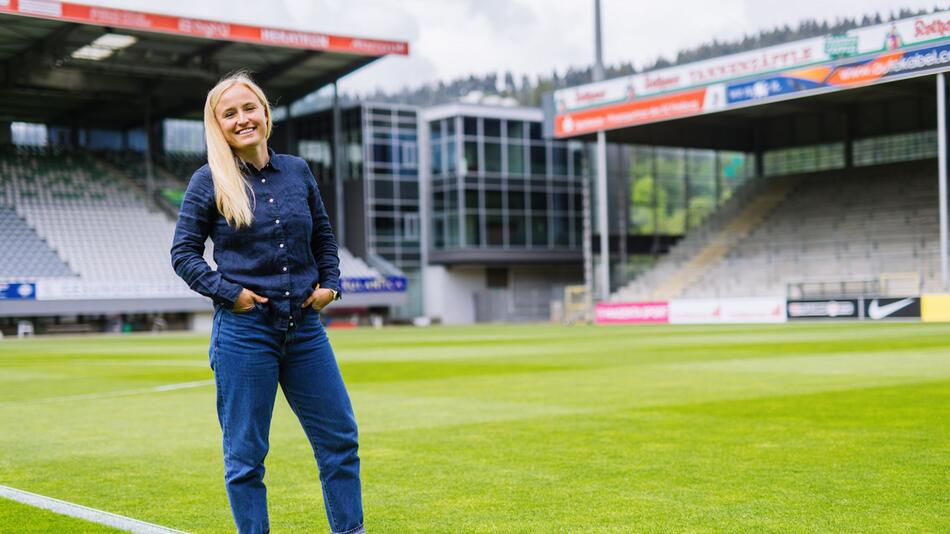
706, 297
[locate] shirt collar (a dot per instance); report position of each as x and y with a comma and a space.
272, 160
271, 163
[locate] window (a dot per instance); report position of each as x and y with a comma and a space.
562, 235
410, 225
492, 127
385, 226
492, 157
539, 231
515, 159
559, 160
409, 190
438, 231
451, 158
383, 188
539, 160
515, 130
472, 230
471, 200
493, 200
436, 158
536, 131
494, 231
470, 125
471, 156
515, 200
539, 201
407, 154
382, 153
516, 230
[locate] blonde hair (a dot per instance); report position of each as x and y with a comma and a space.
230, 188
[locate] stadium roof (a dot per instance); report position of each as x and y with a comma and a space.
73, 64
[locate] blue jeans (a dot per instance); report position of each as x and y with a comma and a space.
249, 358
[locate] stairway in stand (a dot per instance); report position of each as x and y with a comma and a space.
719, 244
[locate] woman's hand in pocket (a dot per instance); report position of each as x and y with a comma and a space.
245, 301
318, 299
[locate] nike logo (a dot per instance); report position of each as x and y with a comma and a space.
876, 311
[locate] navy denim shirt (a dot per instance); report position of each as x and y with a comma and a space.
286, 251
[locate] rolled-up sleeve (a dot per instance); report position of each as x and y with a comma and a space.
198, 213
322, 241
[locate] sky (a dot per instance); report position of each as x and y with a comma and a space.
453, 38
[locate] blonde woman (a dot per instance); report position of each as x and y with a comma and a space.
277, 267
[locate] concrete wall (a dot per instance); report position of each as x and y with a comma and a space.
450, 292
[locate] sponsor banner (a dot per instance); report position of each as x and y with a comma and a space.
135, 20
681, 77
877, 309
824, 309
790, 84
867, 71
17, 290
77, 290
373, 285
897, 35
631, 113
935, 308
729, 310
632, 313
863, 56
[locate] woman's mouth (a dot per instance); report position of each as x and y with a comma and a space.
246, 130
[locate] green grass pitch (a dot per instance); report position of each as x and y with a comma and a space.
539, 428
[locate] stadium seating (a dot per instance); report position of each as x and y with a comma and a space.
92, 217
87, 211
23, 254
857, 224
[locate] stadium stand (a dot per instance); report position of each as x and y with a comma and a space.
90, 216
24, 254
85, 210
859, 224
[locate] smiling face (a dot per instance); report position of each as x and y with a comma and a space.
242, 118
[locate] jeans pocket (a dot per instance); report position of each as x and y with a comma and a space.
215, 332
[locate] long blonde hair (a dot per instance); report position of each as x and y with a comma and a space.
230, 189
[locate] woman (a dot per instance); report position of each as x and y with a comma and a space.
277, 267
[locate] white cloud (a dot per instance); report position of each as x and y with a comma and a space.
452, 38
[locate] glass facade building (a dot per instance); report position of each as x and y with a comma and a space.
380, 198
497, 189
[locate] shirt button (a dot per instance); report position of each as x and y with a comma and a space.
286, 293
285, 269
277, 221
281, 245
263, 180
271, 200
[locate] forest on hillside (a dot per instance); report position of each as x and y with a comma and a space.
527, 91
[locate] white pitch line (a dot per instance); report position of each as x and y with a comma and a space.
83, 512
110, 394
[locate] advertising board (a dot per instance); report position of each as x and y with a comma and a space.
656, 312
728, 310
